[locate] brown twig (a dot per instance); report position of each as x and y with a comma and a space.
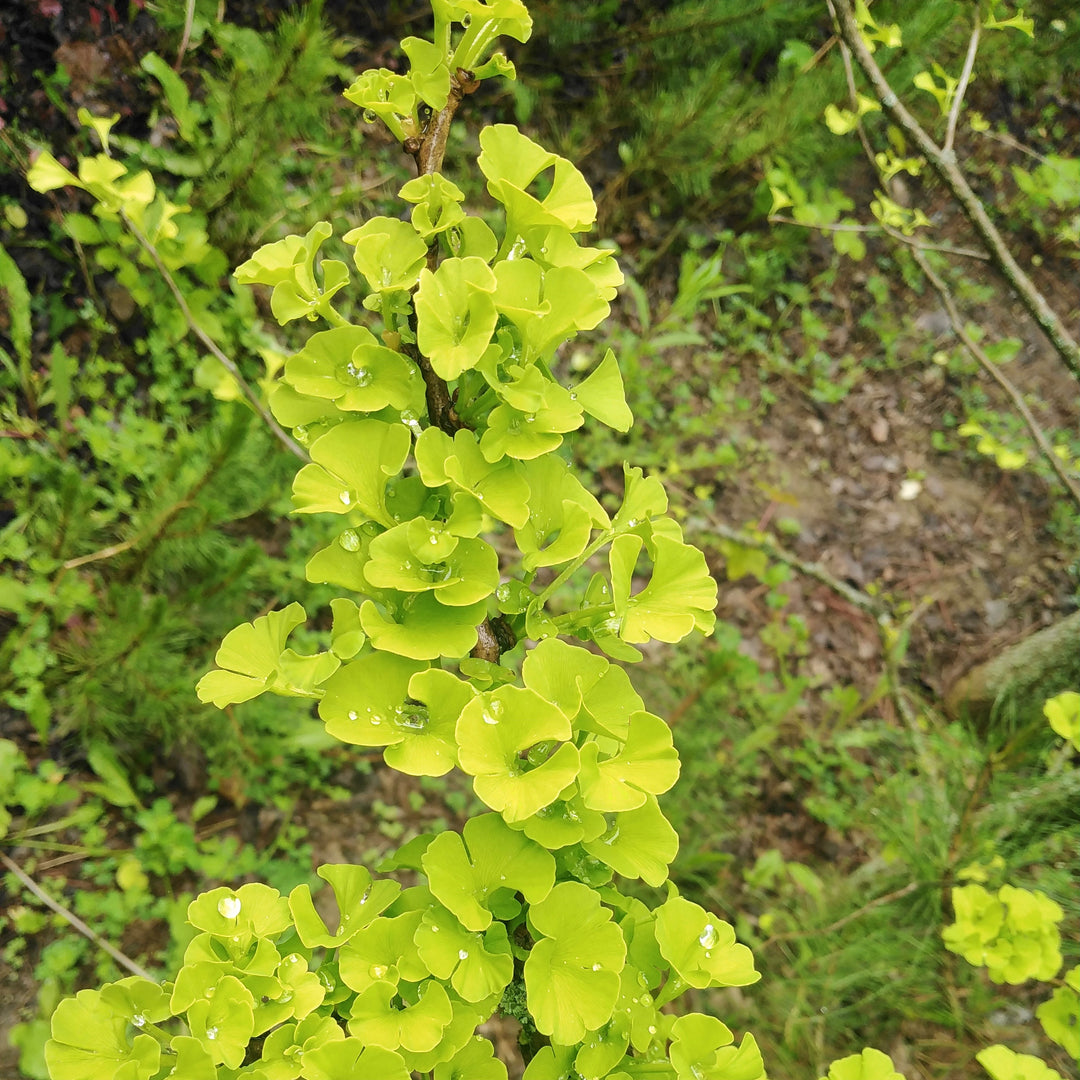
74, 920
945, 249
962, 85
888, 898
493, 637
943, 163
189, 20
889, 634
995, 373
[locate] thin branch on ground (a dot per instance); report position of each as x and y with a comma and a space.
944, 165
888, 898
884, 618
876, 230
961, 87
1012, 143
816, 571
189, 21
74, 920
210, 345
995, 373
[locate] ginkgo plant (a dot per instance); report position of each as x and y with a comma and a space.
432, 426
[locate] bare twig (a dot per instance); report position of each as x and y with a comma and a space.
961, 88
493, 637
896, 234
888, 633
888, 898
945, 166
995, 373
1012, 143
74, 920
189, 19
210, 345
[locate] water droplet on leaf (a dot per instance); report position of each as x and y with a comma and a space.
211, 1032
138, 1020
709, 937
370, 116
463, 954
229, 907
349, 540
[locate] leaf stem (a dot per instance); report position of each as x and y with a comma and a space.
604, 538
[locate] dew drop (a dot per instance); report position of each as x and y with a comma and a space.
652, 1029
370, 116
211, 1032
229, 907
646, 1000
573, 395
349, 540
139, 1020
378, 971
502, 593
293, 958
530, 418
466, 20
286, 997
346, 498
353, 714
596, 967
434, 929
374, 719
210, 990
433, 539
709, 937
463, 954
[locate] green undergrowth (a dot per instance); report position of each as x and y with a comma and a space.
833, 847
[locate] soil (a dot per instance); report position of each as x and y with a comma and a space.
971, 552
